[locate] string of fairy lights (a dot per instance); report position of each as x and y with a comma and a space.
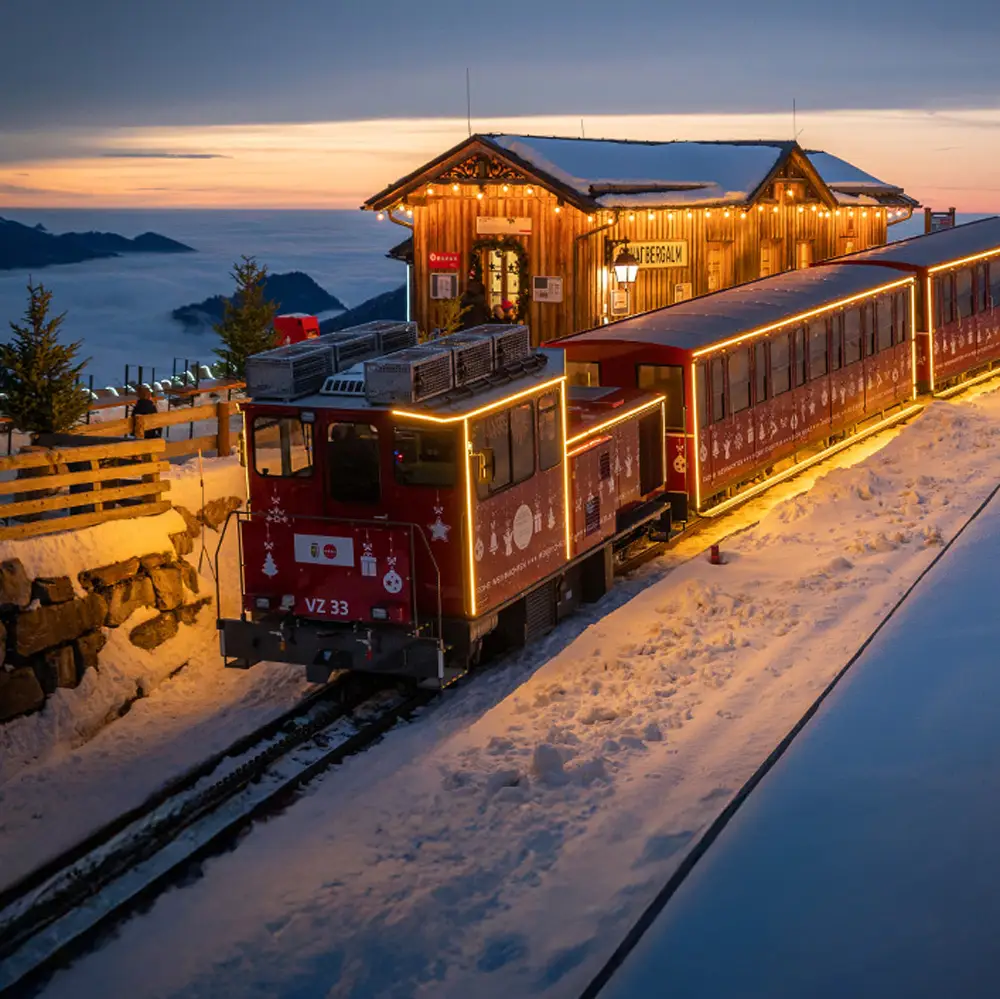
613, 216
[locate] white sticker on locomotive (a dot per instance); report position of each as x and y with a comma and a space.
318, 549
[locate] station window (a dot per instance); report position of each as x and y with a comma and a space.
667, 379
282, 447
883, 319
852, 336
424, 457
963, 292
585, 373
549, 433
995, 283
800, 355
352, 462
780, 368
760, 371
701, 391
818, 353
982, 289
868, 318
739, 380
718, 390
837, 342
522, 440
902, 324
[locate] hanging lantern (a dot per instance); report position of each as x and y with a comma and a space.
626, 266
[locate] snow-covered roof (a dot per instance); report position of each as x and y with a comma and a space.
936, 248
701, 322
852, 186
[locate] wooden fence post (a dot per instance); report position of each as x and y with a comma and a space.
225, 445
139, 427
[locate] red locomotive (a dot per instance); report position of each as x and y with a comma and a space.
409, 503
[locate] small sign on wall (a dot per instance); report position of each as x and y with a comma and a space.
489, 225
683, 290
619, 302
447, 261
444, 286
660, 253
547, 289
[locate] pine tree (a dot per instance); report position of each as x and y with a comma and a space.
39, 375
246, 324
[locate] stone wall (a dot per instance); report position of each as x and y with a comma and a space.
50, 636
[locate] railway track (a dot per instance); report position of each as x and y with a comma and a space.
60, 910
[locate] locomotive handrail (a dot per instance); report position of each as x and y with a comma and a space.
413, 528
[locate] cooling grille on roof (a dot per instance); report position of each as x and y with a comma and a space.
345, 383
471, 354
390, 334
408, 376
510, 343
350, 346
288, 372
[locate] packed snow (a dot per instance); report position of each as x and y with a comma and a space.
503, 843
875, 836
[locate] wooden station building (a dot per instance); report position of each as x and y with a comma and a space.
542, 221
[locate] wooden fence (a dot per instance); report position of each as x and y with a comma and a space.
218, 413
73, 487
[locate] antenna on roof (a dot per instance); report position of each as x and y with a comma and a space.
795, 131
468, 100
583, 134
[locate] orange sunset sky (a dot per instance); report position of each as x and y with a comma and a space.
944, 157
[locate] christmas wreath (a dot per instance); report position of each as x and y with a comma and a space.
521, 263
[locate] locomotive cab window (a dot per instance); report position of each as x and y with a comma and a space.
282, 447
352, 463
667, 379
585, 373
422, 457
491, 439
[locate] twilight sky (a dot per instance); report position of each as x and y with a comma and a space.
320, 102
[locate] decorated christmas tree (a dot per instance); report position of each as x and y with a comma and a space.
39, 376
246, 324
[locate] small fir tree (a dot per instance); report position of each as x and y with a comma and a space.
246, 324
39, 375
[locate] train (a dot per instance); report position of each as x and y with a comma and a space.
412, 506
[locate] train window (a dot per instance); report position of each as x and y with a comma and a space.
963, 292
837, 342
739, 380
852, 336
868, 318
586, 373
352, 463
902, 324
718, 390
818, 353
424, 457
780, 372
282, 446
800, 355
701, 391
982, 289
493, 433
883, 318
668, 379
944, 295
760, 371
522, 440
549, 434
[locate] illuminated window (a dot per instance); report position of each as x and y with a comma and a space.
352, 463
718, 390
818, 360
585, 373
852, 336
549, 432
667, 379
491, 437
760, 371
502, 277
739, 380
883, 319
282, 447
422, 457
780, 368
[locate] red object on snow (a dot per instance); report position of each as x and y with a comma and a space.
714, 555
294, 327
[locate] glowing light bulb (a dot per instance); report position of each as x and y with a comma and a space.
381, 216
651, 216
743, 216
725, 214
590, 218
430, 190
670, 216
708, 213
690, 215
529, 190
631, 216
776, 209
864, 214
815, 208
790, 192
409, 212
479, 195
837, 213
760, 208
454, 187
506, 188
557, 209
801, 209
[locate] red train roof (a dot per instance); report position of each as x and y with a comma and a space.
711, 319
